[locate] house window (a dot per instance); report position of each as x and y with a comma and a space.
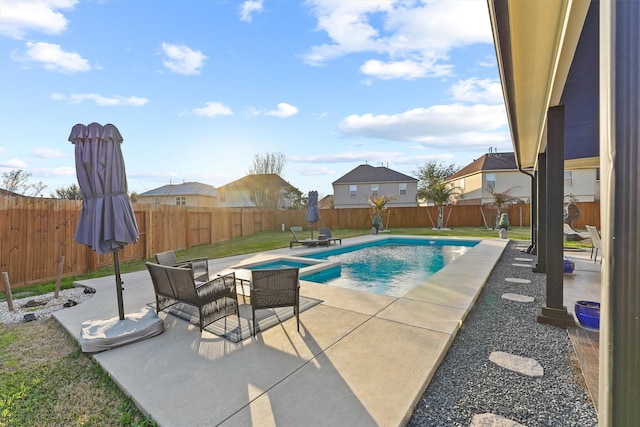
568, 178
374, 190
403, 189
461, 184
156, 200
181, 200
491, 181
353, 190
223, 197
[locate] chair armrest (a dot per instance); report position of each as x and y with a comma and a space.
218, 287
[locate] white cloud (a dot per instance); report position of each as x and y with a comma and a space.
102, 101
47, 153
182, 59
443, 126
13, 164
51, 57
478, 90
414, 36
248, 8
406, 69
315, 171
213, 109
19, 17
283, 110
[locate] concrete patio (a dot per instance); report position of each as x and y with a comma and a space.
360, 358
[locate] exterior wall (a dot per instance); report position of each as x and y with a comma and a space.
583, 189
236, 199
190, 200
342, 198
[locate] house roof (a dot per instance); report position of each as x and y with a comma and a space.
254, 181
4, 192
368, 173
488, 162
184, 189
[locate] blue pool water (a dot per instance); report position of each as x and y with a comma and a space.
391, 267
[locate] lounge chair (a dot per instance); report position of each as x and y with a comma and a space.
573, 235
214, 299
275, 288
199, 266
326, 232
596, 242
306, 242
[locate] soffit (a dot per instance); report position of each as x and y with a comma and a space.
535, 43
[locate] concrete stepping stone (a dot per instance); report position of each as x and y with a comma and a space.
516, 264
524, 259
516, 280
493, 420
512, 362
518, 297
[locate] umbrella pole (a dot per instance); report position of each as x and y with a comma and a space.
116, 264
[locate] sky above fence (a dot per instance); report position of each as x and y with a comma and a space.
197, 88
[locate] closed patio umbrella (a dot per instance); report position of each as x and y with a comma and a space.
313, 212
107, 222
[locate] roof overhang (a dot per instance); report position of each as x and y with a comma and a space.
535, 43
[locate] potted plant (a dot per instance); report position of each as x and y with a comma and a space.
378, 205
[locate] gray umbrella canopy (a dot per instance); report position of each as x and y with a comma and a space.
107, 222
313, 212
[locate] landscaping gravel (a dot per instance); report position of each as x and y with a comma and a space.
466, 383
40, 306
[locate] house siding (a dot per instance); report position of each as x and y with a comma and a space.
343, 199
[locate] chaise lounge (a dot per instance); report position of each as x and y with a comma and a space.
326, 232
306, 242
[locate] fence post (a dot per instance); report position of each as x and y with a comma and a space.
7, 290
59, 277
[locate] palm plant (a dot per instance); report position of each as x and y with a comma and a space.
378, 205
502, 200
441, 194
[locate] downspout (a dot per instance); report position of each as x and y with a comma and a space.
532, 249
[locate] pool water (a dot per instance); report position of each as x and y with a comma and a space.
390, 269
280, 263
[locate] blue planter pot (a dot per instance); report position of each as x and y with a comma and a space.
588, 313
569, 266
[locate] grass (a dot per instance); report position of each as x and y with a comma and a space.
45, 379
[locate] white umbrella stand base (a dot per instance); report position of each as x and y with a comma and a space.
100, 335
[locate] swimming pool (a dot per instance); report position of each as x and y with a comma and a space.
392, 266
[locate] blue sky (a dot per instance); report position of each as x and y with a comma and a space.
198, 87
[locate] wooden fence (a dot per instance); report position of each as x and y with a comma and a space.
37, 232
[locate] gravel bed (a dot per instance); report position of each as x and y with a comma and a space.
27, 305
466, 383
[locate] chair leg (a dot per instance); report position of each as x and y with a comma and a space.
296, 308
253, 312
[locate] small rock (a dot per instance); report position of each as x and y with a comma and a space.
492, 420
523, 365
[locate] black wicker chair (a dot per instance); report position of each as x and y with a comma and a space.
214, 299
275, 288
199, 266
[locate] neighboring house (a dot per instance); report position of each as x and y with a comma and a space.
4, 192
264, 190
326, 202
354, 189
186, 194
499, 171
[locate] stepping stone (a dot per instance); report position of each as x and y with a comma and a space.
492, 420
512, 362
516, 280
518, 297
524, 259
515, 264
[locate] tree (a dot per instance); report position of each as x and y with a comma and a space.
71, 192
502, 200
441, 194
431, 175
17, 181
269, 163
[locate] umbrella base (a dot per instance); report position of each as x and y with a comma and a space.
100, 335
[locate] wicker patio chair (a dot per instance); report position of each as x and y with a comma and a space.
199, 266
275, 288
214, 299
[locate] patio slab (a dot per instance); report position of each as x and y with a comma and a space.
359, 359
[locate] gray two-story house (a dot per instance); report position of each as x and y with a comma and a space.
354, 189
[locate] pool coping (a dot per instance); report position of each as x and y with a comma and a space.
359, 359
